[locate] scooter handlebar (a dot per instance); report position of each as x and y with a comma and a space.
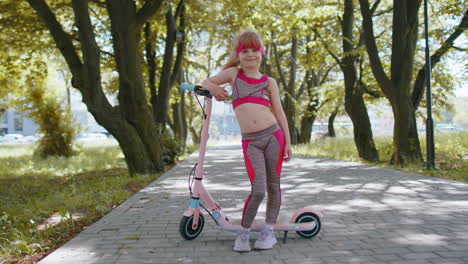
196, 89
188, 87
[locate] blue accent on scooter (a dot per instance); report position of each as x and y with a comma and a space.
188, 226
216, 214
188, 87
313, 220
195, 203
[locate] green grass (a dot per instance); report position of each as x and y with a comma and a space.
451, 153
81, 189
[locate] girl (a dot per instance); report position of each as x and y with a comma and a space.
265, 133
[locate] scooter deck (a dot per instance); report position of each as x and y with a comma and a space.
282, 224
283, 219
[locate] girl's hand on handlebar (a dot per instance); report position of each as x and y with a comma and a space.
217, 91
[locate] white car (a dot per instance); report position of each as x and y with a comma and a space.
30, 139
12, 138
91, 137
447, 127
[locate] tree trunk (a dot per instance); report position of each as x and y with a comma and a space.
151, 60
311, 83
331, 120
178, 115
133, 105
162, 100
131, 123
354, 101
196, 135
397, 88
307, 122
168, 75
190, 116
290, 103
178, 108
266, 61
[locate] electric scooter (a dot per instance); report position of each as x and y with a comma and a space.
305, 221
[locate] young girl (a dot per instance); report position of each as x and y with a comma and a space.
264, 128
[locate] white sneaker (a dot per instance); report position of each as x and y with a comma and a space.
242, 243
267, 238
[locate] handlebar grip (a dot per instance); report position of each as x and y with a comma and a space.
188, 87
196, 89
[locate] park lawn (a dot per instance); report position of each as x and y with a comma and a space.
451, 150
67, 193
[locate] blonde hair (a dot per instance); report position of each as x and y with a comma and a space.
248, 38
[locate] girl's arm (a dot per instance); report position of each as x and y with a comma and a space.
213, 83
278, 111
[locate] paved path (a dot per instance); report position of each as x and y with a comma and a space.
372, 215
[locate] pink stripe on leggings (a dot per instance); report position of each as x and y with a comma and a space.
280, 137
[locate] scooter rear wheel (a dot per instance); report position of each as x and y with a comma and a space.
185, 227
307, 218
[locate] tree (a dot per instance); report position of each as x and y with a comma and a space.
131, 121
168, 75
397, 87
355, 87
404, 96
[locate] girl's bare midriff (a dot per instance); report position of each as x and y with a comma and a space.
254, 117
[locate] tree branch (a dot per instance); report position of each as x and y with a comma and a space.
180, 46
374, 6
302, 88
89, 46
147, 10
372, 50
179, 8
420, 83
338, 61
278, 66
459, 49
368, 91
325, 76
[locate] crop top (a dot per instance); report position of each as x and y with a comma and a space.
249, 90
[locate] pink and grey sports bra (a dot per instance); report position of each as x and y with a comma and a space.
249, 90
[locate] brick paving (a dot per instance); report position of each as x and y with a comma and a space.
371, 215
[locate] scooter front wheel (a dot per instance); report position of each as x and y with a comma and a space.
185, 227
306, 218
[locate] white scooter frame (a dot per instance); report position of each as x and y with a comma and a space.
305, 221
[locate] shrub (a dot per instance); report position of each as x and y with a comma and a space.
55, 124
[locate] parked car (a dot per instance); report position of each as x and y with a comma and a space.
448, 127
91, 137
10, 138
30, 139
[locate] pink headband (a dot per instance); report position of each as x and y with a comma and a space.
243, 47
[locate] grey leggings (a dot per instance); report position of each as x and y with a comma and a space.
263, 156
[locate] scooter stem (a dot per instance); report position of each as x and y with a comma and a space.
204, 138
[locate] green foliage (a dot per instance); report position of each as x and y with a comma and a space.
80, 189
171, 148
55, 122
337, 148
